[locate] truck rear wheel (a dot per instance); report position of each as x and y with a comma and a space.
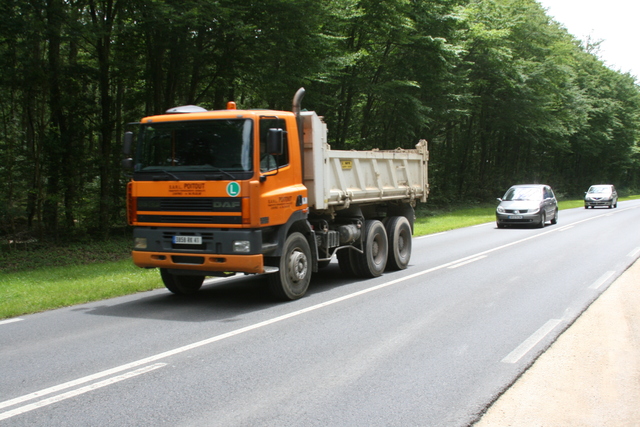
399, 235
181, 285
373, 261
292, 279
347, 262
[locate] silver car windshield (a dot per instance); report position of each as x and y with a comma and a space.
523, 193
599, 189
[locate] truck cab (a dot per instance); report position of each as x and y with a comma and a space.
214, 193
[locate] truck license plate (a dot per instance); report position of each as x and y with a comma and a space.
515, 216
187, 240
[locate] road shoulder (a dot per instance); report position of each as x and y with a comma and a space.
590, 376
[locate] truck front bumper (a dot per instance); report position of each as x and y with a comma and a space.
200, 262
215, 250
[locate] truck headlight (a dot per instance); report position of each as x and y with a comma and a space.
140, 243
241, 246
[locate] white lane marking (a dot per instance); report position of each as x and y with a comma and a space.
566, 227
483, 225
634, 252
602, 280
467, 262
175, 351
531, 342
77, 392
4, 322
430, 235
211, 340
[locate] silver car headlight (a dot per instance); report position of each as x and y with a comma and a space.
500, 209
534, 211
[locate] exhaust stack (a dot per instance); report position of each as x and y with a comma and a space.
296, 108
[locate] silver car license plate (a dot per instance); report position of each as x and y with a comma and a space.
515, 216
187, 240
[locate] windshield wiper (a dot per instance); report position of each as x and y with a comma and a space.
157, 178
217, 169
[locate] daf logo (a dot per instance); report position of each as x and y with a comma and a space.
233, 204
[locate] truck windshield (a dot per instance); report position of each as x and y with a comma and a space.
210, 149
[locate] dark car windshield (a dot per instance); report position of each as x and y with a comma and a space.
180, 150
523, 193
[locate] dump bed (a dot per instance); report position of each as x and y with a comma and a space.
340, 178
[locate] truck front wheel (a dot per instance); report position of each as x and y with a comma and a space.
181, 285
373, 261
292, 279
399, 235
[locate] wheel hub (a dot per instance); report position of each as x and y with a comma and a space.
401, 243
298, 265
375, 248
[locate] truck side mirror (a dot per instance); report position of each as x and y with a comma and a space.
275, 142
127, 163
127, 142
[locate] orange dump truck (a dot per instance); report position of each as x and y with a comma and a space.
214, 193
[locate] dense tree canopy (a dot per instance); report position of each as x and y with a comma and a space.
503, 94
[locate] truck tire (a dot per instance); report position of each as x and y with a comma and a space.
292, 279
373, 261
181, 285
399, 235
346, 262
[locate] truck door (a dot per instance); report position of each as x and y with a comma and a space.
280, 175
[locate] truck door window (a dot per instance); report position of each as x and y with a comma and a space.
267, 161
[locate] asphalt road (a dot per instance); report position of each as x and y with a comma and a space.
432, 345
590, 376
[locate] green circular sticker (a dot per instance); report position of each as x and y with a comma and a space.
233, 189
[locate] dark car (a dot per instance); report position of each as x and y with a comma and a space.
601, 195
527, 204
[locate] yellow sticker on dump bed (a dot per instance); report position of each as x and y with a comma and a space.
346, 164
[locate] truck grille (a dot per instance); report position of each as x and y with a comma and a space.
190, 204
196, 219
167, 210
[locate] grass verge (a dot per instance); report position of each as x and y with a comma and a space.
32, 291
44, 278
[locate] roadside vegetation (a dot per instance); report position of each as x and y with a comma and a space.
501, 91
38, 276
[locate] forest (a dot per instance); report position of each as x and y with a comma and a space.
503, 94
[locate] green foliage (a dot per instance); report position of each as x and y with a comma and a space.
33, 254
503, 93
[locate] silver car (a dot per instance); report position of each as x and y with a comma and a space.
601, 195
532, 204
